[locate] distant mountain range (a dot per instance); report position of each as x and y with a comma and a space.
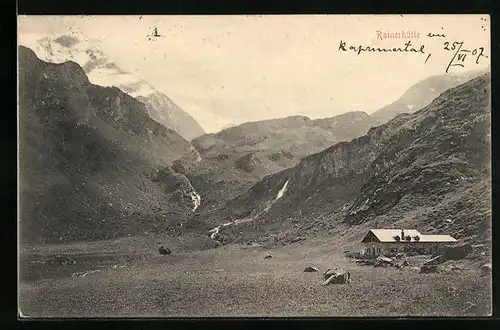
239, 156
428, 170
421, 94
101, 70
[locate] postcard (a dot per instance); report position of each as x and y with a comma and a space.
254, 166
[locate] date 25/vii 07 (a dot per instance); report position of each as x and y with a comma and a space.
460, 56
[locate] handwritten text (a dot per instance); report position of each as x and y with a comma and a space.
358, 49
460, 54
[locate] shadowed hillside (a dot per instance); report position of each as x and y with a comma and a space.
89, 159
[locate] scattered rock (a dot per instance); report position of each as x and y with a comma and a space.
427, 269
327, 273
485, 269
118, 266
83, 274
163, 250
405, 263
297, 239
454, 268
436, 260
311, 269
383, 261
337, 276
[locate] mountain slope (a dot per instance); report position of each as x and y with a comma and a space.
92, 162
162, 109
429, 170
102, 71
420, 95
236, 158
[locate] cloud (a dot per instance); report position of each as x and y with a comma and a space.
67, 41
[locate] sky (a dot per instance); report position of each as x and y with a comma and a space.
226, 70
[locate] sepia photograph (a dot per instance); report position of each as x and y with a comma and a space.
180, 166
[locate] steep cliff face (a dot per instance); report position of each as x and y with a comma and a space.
88, 157
428, 169
236, 158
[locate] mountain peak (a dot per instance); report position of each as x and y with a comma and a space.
102, 71
420, 95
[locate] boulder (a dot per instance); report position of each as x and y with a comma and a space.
297, 239
436, 260
427, 269
454, 268
268, 256
485, 269
383, 261
337, 276
405, 263
327, 273
310, 269
163, 250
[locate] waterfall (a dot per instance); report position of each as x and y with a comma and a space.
196, 198
282, 190
214, 232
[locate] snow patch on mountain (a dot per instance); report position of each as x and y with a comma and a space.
103, 72
100, 70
